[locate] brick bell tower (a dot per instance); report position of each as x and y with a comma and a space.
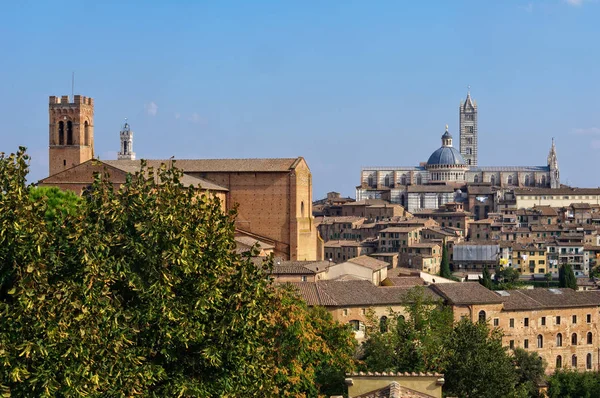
71, 132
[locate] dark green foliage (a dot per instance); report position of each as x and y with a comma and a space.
418, 340
139, 292
445, 267
531, 369
486, 280
571, 384
566, 277
478, 364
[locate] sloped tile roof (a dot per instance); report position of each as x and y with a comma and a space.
219, 165
368, 262
133, 166
467, 293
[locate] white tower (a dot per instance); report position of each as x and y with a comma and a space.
126, 152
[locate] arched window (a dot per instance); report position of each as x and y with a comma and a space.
403, 179
509, 180
302, 209
540, 341
589, 337
574, 361
419, 179
61, 133
558, 362
440, 200
422, 201
544, 181
482, 316
371, 181
476, 179
387, 181
493, 180
588, 361
559, 340
125, 147
356, 325
383, 324
574, 339
86, 132
401, 318
69, 133
527, 180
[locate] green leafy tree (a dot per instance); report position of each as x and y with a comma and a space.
478, 364
566, 277
140, 292
573, 384
417, 340
486, 279
531, 369
445, 271
59, 203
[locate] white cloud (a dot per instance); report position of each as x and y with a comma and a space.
574, 3
177, 115
586, 131
151, 108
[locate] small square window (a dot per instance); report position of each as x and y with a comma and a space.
512, 322
558, 320
543, 321
526, 343
512, 344
588, 318
364, 311
304, 278
345, 312
526, 322
496, 321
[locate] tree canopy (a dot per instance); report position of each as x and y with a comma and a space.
140, 292
418, 340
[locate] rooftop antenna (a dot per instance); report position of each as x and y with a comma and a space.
73, 84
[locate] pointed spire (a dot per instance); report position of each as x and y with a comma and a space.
469, 103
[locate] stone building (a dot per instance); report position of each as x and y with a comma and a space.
453, 169
273, 196
560, 325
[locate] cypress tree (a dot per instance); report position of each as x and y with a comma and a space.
486, 280
566, 277
445, 268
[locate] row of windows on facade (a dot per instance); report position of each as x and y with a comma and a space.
559, 340
588, 361
69, 133
558, 319
528, 181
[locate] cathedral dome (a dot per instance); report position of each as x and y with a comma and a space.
446, 155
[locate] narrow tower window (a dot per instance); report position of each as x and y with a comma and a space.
125, 147
86, 133
61, 133
69, 133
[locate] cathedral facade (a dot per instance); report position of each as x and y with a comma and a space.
448, 171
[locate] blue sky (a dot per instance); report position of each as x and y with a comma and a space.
343, 83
